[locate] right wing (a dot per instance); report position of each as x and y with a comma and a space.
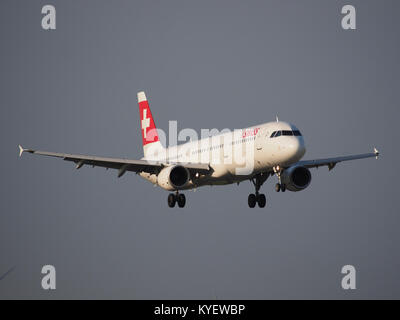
331, 162
122, 165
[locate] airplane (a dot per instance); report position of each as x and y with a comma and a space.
272, 148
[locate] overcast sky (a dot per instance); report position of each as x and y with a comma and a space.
206, 64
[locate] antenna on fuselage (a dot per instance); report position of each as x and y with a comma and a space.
277, 120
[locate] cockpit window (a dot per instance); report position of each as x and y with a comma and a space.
296, 133
285, 133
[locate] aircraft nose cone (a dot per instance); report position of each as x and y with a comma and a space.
296, 148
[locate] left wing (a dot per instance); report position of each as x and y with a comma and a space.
331, 162
122, 165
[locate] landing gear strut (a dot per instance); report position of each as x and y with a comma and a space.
174, 198
279, 186
258, 198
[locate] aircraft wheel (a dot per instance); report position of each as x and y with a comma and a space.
181, 200
283, 188
262, 201
252, 200
277, 187
171, 200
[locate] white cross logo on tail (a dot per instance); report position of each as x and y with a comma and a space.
145, 122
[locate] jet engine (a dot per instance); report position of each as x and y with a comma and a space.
296, 178
173, 178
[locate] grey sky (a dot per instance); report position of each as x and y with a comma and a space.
206, 64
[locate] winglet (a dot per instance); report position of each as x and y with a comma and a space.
21, 150
376, 152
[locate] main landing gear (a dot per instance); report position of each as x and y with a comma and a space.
174, 198
258, 198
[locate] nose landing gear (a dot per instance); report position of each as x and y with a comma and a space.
176, 198
279, 186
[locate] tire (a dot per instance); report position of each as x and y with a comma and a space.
181, 200
283, 188
277, 187
252, 200
171, 200
262, 201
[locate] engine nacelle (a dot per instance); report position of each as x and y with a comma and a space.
173, 178
296, 178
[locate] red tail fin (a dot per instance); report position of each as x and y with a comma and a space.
147, 124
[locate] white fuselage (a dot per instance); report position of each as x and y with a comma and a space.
237, 155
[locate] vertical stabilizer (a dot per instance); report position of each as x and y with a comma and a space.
151, 142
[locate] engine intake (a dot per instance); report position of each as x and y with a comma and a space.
173, 177
179, 176
296, 178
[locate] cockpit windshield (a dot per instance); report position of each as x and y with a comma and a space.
285, 133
